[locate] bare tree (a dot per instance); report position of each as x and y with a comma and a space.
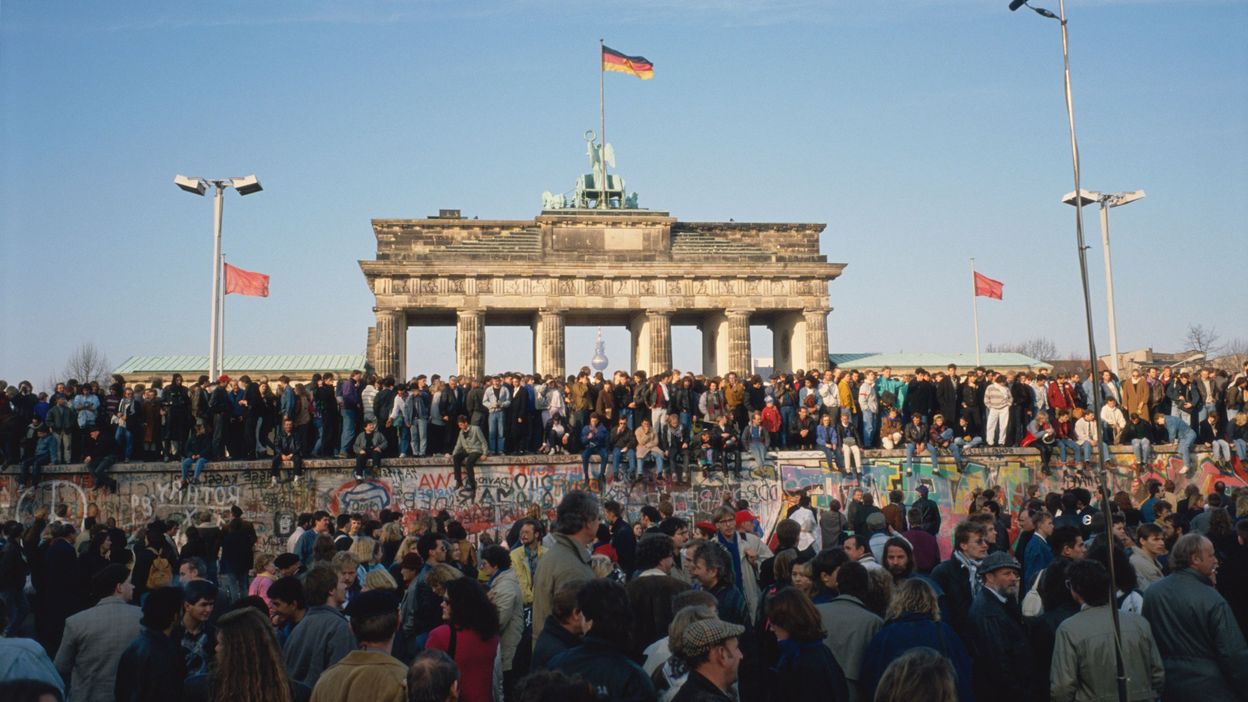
1203, 340
86, 364
1234, 356
1039, 347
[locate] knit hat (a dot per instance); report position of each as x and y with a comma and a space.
705, 634
745, 517
922, 490
875, 521
223, 379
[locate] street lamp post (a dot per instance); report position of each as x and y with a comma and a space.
198, 186
1106, 201
1121, 678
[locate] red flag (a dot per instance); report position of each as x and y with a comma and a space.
244, 282
987, 287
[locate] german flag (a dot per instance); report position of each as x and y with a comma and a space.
613, 60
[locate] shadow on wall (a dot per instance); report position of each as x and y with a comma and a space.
507, 489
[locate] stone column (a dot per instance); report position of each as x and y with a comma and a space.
639, 343
549, 350
660, 328
739, 356
788, 341
714, 328
470, 343
816, 339
387, 355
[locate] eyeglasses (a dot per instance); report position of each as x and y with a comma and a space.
725, 521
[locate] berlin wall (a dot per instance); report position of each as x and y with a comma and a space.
509, 485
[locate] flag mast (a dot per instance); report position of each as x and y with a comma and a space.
975, 311
602, 123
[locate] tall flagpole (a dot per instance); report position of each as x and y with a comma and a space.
221, 324
602, 123
975, 312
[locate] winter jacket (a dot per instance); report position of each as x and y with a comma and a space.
608, 669
471, 440
364, 442
1201, 645
62, 418
509, 601
905, 633
868, 400
849, 628
1084, 668
565, 560
287, 444
622, 438
1006, 666
152, 668
807, 670
915, 434
321, 639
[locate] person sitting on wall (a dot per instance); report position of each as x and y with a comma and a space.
369, 446
289, 449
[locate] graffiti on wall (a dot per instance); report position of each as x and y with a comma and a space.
507, 490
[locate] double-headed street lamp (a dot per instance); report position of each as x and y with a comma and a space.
1120, 665
1106, 201
198, 186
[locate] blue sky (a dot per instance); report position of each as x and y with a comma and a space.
922, 132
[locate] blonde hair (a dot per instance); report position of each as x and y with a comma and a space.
913, 596
365, 549
391, 531
406, 546
1241, 419
262, 562
344, 559
802, 569
379, 579
440, 575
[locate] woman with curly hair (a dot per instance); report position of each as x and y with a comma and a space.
469, 636
248, 665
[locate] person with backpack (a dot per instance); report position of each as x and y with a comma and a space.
153, 566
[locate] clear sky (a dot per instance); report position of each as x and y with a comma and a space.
922, 132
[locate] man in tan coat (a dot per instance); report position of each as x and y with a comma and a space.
567, 553
1135, 394
369, 673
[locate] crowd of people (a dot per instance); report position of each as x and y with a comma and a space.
660, 426
829, 602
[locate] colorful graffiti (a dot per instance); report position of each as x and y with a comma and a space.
507, 489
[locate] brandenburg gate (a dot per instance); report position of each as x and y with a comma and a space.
595, 259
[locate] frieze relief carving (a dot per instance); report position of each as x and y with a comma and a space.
455, 285
567, 286
484, 285
646, 287
428, 286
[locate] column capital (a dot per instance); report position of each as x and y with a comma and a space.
660, 312
738, 312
